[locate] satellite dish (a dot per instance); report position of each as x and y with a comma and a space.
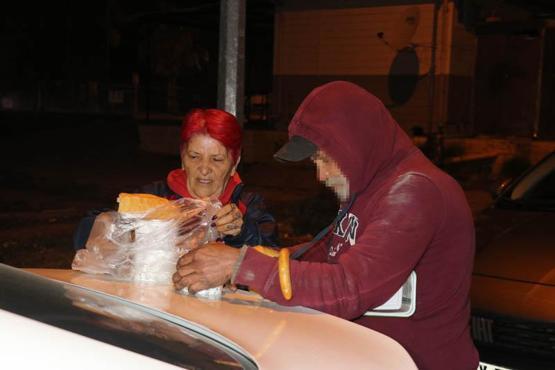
403, 76
403, 73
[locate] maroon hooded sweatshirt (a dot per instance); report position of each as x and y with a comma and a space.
407, 215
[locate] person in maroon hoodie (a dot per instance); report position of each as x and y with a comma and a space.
399, 213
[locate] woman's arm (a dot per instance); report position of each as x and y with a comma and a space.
83, 231
259, 226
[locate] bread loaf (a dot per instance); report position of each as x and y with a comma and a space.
137, 203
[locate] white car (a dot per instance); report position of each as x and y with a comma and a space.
63, 319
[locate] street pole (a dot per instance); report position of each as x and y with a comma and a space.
432, 70
231, 70
438, 142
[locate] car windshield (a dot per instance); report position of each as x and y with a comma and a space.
536, 189
114, 321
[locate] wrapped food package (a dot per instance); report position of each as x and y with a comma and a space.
144, 239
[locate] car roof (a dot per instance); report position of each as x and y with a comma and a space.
275, 336
115, 321
30, 344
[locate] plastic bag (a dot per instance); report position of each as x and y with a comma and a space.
145, 246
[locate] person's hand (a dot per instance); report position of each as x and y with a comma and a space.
206, 267
191, 241
229, 220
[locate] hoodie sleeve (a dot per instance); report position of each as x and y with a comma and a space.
399, 228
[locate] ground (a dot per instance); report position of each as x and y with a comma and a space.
56, 168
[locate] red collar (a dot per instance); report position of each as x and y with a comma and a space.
177, 181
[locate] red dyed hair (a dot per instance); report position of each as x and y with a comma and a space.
217, 124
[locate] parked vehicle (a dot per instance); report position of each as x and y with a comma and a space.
513, 290
63, 319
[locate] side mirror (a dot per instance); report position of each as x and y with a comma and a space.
500, 188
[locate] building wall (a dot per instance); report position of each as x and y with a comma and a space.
546, 121
507, 84
314, 46
462, 48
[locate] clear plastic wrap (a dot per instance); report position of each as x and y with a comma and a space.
145, 247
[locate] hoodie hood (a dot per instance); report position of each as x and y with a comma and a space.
355, 129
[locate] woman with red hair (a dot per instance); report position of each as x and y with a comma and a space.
210, 152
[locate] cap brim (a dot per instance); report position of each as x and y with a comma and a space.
296, 149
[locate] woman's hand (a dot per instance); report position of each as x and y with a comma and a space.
228, 220
206, 267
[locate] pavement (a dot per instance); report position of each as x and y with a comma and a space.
52, 174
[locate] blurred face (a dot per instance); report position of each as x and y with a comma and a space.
330, 174
208, 165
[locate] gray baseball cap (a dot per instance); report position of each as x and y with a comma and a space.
296, 149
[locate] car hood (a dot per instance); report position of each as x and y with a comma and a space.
516, 245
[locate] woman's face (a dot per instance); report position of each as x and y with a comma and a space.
208, 165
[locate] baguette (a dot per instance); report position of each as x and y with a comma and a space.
136, 203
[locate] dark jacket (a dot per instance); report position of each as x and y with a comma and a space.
407, 215
259, 227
